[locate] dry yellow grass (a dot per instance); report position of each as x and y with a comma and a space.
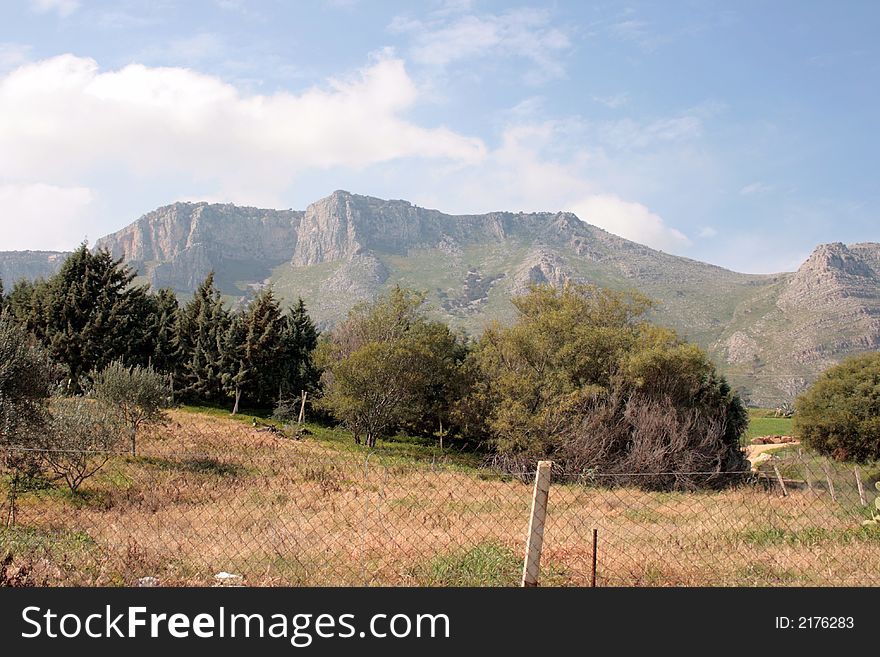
207, 495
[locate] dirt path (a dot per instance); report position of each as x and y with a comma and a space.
757, 454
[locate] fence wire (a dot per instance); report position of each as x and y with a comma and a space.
201, 505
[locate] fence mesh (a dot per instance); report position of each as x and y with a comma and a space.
201, 505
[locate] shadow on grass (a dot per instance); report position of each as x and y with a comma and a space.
197, 465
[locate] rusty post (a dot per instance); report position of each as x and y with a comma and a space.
595, 553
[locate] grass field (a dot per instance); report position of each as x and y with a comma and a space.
208, 493
762, 423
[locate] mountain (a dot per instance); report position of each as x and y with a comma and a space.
15, 265
770, 333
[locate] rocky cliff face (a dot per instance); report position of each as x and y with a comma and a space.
178, 245
343, 225
832, 274
798, 324
838, 286
15, 265
765, 331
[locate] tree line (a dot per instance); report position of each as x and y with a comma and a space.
91, 313
581, 377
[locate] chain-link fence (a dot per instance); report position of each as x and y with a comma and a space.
201, 504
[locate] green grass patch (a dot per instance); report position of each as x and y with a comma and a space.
261, 416
486, 564
762, 425
30, 540
399, 449
809, 536
408, 502
759, 574
643, 515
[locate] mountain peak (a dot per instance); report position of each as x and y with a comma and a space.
836, 258
346, 248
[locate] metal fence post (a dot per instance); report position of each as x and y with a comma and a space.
535, 539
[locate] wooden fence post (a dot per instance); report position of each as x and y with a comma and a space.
780, 480
806, 464
302, 408
862, 497
827, 469
535, 539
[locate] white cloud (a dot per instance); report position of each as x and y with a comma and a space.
707, 232
67, 124
40, 216
63, 8
630, 220
631, 134
755, 189
451, 37
614, 101
63, 118
527, 172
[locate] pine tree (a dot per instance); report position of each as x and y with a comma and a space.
140, 346
88, 314
25, 303
300, 340
202, 329
235, 370
163, 324
254, 350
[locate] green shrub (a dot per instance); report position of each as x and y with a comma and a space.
26, 381
388, 366
82, 436
839, 416
582, 378
139, 395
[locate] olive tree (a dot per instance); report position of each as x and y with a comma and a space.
27, 377
82, 436
138, 394
388, 366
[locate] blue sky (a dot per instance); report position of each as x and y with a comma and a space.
740, 133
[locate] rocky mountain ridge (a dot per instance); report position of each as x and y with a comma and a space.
771, 334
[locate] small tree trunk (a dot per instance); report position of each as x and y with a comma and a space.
171, 386
237, 398
13, 493
132, 436
441, 435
